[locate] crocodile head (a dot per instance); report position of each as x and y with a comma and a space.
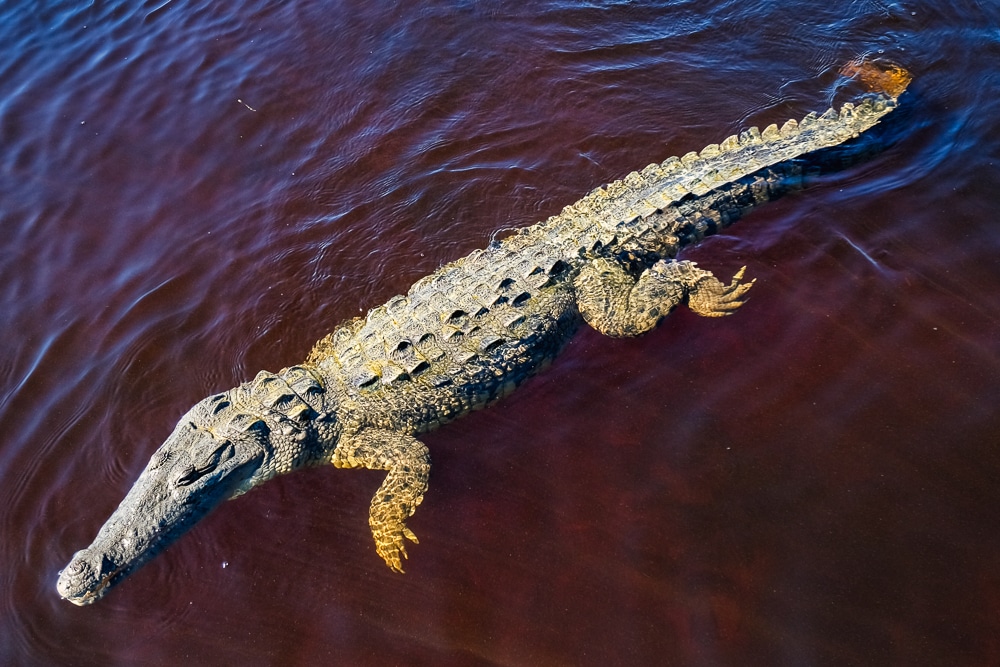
201, 464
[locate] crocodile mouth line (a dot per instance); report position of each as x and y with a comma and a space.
97, 591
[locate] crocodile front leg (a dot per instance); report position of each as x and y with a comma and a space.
618, 305
408, 463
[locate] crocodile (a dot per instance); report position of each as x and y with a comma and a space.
466, 336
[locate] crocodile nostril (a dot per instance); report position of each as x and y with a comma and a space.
76, 568
76, 576
79, 566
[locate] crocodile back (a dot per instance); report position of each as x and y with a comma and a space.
461, 338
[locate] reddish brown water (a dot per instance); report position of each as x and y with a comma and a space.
193, 191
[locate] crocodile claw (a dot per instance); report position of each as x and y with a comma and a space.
392, 548
711, 298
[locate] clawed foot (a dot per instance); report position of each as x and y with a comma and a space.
408, 463
710, 298
391, 507
389, 542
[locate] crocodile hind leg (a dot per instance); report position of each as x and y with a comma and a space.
408, 463
616, 304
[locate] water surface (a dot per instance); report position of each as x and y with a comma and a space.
193, 191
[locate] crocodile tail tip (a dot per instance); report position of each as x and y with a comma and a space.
879, 77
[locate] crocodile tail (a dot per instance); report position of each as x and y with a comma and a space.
627, 209
659, 185
693, 219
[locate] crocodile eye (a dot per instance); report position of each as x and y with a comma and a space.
208, 460
186, 475
203, 463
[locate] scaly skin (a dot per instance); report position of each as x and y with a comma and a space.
460, 339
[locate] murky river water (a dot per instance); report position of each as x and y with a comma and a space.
191, 191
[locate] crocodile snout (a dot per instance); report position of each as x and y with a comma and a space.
82, 582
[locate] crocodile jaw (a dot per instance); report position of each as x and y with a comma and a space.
178, 487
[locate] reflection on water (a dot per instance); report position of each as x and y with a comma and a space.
193, 191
